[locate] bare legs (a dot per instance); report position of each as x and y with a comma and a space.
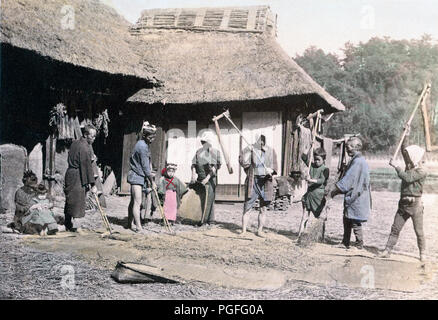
245, 219
134, 207
262, 219
304, 220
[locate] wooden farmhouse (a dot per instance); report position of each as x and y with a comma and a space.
211, 59
176, 68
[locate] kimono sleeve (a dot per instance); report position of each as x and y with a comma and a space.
245, 158
181, 187
161, 189
411, 175
145, 163
85, 166
348, 181
22, 201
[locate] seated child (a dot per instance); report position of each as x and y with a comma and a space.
410, 204
314, 199
40, 218
170, 190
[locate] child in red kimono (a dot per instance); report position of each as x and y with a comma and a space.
170, 190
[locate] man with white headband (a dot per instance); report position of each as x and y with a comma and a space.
205, 165
410, 204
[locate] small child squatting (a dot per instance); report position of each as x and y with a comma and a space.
40, 218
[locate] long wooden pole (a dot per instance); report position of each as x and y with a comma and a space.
315, 127
205, 204
426, 122
160, 207
227, 158
246, 141
426, 87
103, 215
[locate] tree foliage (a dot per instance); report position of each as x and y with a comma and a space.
379, 82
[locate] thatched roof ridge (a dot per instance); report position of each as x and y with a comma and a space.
220, 66
247, 19
97, 37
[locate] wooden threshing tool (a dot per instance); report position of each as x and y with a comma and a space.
103, 215
218, 132
205, 204
426, 89
160, 207
316, 127
227, 116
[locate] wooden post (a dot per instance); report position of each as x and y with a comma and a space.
287, 138
51, 150
426, 122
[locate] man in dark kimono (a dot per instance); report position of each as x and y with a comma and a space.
259, 182
206, 163
79, 177
355, 185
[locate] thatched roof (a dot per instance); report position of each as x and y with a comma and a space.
97, 37
216, 63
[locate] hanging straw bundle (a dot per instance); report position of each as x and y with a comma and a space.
101, 123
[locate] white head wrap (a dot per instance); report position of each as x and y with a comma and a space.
415, 153
258, 138
207, 136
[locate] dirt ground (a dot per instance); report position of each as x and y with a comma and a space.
215, 262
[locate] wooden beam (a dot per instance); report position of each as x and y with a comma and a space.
50, 160
426, 122
287, 138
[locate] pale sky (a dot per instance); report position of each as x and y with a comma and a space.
327, 24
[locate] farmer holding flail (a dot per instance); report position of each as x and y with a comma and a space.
410, 204
170, 190
260, 164
317, 178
